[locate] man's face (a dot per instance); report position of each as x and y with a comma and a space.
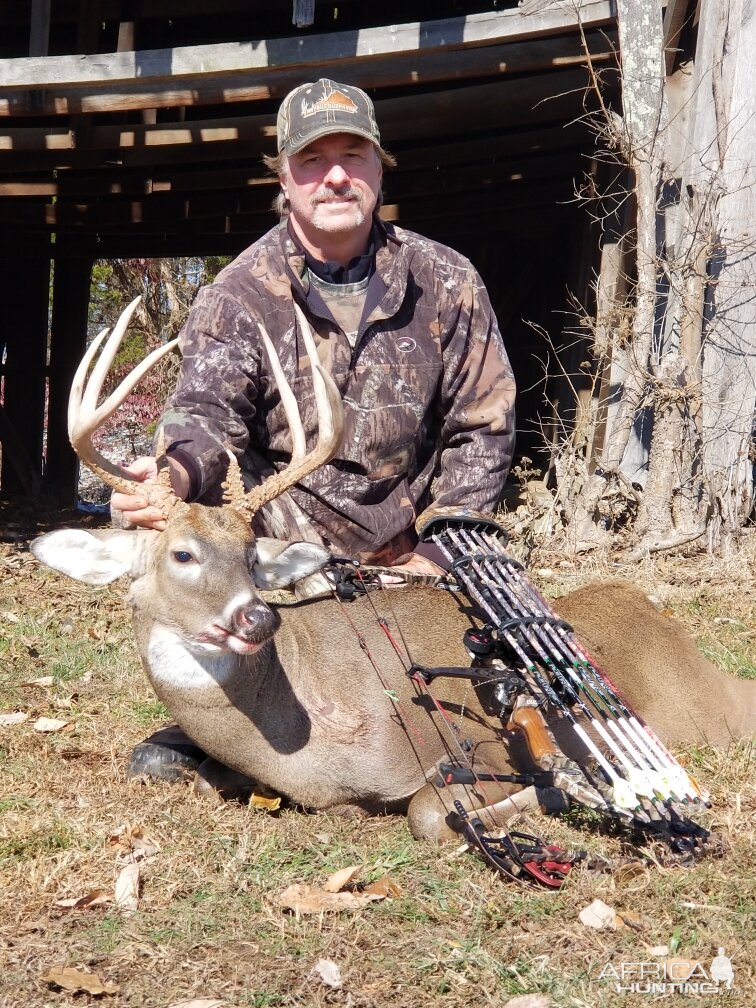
333, 185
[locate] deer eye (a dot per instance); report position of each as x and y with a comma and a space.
183, 556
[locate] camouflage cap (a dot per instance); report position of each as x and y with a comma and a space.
312, 111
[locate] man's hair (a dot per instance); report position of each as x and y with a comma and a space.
276, 165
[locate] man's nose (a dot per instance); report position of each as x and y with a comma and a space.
336, 175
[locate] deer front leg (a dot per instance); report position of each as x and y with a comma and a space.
218, 783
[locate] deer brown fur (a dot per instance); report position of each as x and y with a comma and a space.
291, 697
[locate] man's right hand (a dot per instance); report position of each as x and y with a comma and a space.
135, 509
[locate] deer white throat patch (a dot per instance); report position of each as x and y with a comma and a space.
173, 664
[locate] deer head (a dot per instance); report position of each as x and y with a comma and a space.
198, 579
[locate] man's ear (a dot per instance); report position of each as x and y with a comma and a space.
279, 565
94, 558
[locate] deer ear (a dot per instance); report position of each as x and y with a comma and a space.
278, 568
83, 556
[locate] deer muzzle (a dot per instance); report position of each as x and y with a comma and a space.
245, 630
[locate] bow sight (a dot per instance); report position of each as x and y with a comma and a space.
537, 665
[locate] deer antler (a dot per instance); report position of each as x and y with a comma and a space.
85, 416
330, 422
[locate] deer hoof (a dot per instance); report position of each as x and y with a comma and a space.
218, 783
167, 755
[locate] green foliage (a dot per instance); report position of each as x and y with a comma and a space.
55, 838
150, 712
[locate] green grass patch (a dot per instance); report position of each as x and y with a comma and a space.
149, 712
51, 840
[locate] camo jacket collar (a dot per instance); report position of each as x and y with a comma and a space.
388, 285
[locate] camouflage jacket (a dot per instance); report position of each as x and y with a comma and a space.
428, 392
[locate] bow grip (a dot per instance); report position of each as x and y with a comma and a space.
530, 722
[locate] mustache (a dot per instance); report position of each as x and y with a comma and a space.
323, 195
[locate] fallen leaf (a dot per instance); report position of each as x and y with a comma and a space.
679, 970
127, 889
198, 1003
49, 725
94, 898
71, 978
266, 804
307, 899
529, 1001
628, 871
45, 680
17, 717
598, 915
341, 878
10, 617
134, 845
30, 646
385, 886
632, 919
329, 972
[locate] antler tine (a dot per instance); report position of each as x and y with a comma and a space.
330, 422
234, 494
85, 417
288, 400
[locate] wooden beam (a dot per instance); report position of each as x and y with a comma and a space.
39, 30
192, 62
414, 69
510, 103
68, 340
24, 297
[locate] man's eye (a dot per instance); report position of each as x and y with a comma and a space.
183, 556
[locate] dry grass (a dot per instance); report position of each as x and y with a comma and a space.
208, 925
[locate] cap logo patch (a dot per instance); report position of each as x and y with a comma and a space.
406, 344
334, 102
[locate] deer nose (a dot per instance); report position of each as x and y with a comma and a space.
256, 620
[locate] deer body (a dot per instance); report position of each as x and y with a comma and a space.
658, 667
291, 698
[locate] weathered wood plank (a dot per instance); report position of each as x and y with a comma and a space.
39, 31
507, 103
530, 56
723, 174
316, 51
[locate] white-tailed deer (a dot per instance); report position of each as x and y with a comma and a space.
314, 700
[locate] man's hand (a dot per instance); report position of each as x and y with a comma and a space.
135, 509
